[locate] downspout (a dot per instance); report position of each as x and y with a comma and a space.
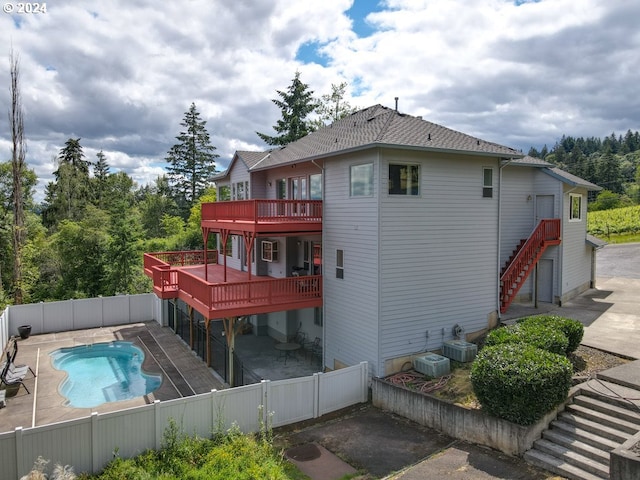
499, 266
324, 324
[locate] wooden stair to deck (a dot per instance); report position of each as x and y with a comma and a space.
525, 256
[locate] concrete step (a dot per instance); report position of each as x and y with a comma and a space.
603, 418
594, 427
584, 436
559, 466
560, 437
613, 392
600, 418
624, 411
572, 457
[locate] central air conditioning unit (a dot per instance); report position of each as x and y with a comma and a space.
460, 351
432, 365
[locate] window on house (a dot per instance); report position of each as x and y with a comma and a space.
339, 263
228, 247
315, 186
246, 190
233, 192
404, 179
361, 180
317, 316
225, 193
575, 207
487, 182
281, 189
240, 190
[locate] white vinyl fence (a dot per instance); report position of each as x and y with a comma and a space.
89, 443
70, 315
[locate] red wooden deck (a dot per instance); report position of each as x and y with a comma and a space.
239, 295
264, 216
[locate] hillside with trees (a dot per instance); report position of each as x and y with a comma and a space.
88, 236
611, 163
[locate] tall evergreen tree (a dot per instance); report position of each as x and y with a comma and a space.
123, 251
192, 160
100, 177
69, 194
296, 103
155, 202
608, 172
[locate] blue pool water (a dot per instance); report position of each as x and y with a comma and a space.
103, 372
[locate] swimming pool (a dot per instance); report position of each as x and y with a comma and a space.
103, 372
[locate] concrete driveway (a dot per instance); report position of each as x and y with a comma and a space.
611, 311
394, 448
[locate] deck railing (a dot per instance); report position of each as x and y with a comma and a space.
263, 211
270, 291
179, 259
169, 281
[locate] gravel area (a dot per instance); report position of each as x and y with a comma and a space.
588, 361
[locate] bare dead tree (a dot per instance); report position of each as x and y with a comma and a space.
19, 148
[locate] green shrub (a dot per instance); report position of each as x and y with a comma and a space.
573, 329
229, 455
546, 337
519, 382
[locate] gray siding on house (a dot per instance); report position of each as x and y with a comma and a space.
287, 172
351, 304
522, 187
258, 185
518, 208
576, 254
547, 185
438, 253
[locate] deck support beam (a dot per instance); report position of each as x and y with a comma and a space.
224, 236
205, 238
249, 240
230, 333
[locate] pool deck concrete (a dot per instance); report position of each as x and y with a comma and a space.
184, 373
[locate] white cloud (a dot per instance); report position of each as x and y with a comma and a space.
120, 75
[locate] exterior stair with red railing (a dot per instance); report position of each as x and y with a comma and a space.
521, 264
513, 255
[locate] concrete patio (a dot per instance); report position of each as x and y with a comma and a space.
184, 373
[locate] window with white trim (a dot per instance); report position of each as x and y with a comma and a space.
487, 182
361, 180
575, 207
404, 179
339, 263
315, 186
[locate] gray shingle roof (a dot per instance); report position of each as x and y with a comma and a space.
555, 172
531, 162
379, 126
570, 179
250, 159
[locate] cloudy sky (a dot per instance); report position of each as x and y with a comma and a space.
120, 74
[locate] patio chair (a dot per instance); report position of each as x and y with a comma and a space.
13, 368
314, 348
13, 371
11, 381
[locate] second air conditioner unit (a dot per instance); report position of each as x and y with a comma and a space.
432, 365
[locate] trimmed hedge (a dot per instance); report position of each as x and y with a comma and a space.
519, 382
546, 337
573, 329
